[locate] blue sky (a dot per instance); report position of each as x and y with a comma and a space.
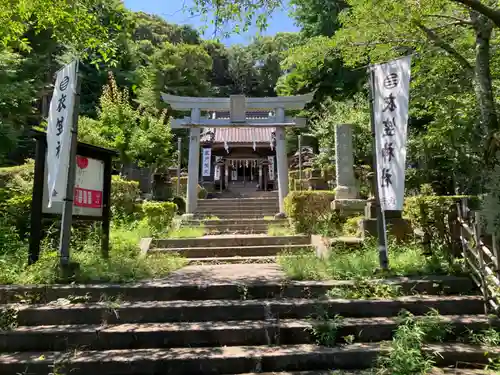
172, 11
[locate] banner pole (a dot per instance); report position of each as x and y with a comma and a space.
381, 227
67, 215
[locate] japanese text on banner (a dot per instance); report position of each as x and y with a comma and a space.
206, 162
391, 97
59, 132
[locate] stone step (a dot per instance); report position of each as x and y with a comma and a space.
373, 371
237, 228
220, 211
113, 312
234, 215
231, 240
165, 290
232, 260
224, 360
235, 221
230, 251
246, 206
225, 201
205, 334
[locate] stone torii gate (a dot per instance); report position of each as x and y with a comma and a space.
237, 106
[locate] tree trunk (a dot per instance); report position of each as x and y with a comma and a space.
483, 83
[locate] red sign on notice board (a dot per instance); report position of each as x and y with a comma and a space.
87, 198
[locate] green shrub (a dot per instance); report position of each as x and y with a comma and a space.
202, 192
159, 215
306, 208
183, 186
351, 226
16, 186
124, 195
181, 205
435, 216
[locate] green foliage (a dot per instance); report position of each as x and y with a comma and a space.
180, 203
406, 355
138, 135
433, 215
124, 265
159, 216
15, 204
366, 288
344, 263
305, 208
324, 329
81, 28
124, 197
351, 226
202, 192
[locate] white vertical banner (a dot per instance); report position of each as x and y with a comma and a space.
271, 167
217, 169
59, 132
390, 107
206, 162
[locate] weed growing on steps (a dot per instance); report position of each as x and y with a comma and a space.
345, 263
406, 354
8, 318
279, 230
366, 289
187, 232
324, 329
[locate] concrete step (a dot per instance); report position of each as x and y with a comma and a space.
237, 228
244, 213
373, 371
234, 215
113, 312
165, 290
224, 360
230, 251
253, 205
235, 221
232, 260
238, 201
204, 334
231, 240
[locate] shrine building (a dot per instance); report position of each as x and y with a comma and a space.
237, 141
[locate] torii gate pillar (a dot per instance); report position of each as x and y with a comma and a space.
193, 164
281, 160
237, 105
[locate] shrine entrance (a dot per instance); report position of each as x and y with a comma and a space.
253, 127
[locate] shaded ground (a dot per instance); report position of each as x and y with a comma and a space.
227, 273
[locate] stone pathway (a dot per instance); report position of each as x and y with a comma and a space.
227, 273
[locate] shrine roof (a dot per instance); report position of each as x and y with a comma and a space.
238, 135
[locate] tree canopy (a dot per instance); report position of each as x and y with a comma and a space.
453, 128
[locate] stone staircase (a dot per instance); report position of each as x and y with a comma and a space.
231, 248
207, 326
236, 215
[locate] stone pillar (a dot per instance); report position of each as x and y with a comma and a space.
282, 162
346, 192
194, 164
344, 163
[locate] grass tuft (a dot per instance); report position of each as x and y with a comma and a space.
124, 264
345, 263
